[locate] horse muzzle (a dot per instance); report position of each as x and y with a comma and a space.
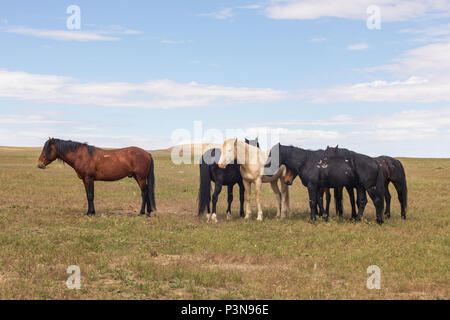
41, 166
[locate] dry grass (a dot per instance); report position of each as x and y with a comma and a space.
173, 255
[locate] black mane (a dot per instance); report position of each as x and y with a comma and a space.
65, 146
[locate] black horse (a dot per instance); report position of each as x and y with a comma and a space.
290, 177
210, 171
339, 168
395, 173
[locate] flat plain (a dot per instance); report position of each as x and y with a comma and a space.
176, 255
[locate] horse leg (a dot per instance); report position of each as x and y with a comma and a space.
319, 201
144, 192
312, 192
378, 201
248, 188
258, 184
401, 198
284, 198
215, 198
338, 201
327, 202
387, 197
230, 200
351, 195
241, 198
89, 186
322, 212
277, 192
362, 201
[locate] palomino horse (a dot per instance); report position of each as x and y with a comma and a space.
252, 161
91, 163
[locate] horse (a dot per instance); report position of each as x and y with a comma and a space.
290, 177
95, 164
210, 171
252, 161
324, 169
395, 173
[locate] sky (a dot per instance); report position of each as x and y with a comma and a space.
368, 75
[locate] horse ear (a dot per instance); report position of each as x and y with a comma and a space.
335, 149
235, 141
52, 140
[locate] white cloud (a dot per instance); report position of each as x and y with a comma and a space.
64, 35
53, 89
357, 46
318, 39
420, 132
108, 33
391, 10
425, 74
165, 41
223, 14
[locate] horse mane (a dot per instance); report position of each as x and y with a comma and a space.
65, 146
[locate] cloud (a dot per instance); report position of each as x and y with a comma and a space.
425, 74
52, 89
64, 35
420, 132
318, 39
108, 33
357, 46
251, 6
223, 14
165, 41
391, 10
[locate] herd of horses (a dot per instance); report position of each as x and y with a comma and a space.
245, 164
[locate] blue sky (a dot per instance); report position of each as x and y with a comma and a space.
310, 71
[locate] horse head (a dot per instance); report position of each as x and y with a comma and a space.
48, 154
229, 152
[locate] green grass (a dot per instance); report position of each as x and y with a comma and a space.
174, 255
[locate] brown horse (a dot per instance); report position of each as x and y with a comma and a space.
91, 163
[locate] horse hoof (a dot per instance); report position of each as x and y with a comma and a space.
208, 218
228, 215
214, 218
149, 215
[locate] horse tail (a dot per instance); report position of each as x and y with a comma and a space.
151, 184
404, 188
204, 193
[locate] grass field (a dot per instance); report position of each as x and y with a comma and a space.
174, 255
